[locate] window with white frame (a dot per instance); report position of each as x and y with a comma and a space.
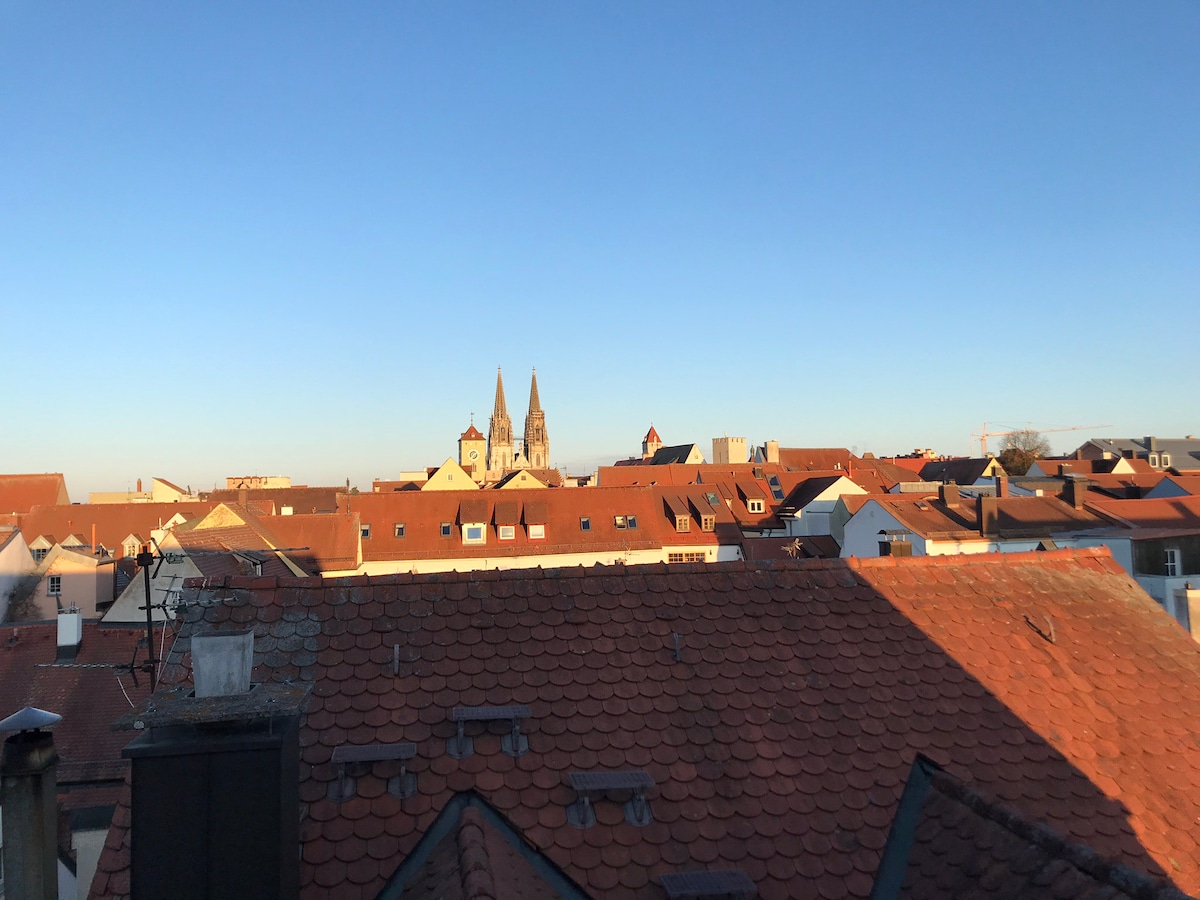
474, 533
537, 532
365, 531
40, 553
755, 506
55, 588
1165, 459
399, 529
507, 532
1171, 562
619, 522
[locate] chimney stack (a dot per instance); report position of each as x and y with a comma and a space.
987, 514
948, 494
70, 634
773, 451
1001, 486
228, 754
1151, 443
139, 490
1075, 490
28, 783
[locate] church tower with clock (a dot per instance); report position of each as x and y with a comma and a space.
472, 453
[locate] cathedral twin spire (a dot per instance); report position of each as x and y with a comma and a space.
535, 452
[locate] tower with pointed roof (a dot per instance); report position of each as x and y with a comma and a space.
500, 432
472, 452
537, 443
650, 443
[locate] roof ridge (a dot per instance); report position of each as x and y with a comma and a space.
475, 864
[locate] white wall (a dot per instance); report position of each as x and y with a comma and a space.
16, 562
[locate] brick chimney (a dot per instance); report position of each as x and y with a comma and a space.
1001, 485
28, 784
227, 756
773, 451
1075, 490
987, 515
948, 494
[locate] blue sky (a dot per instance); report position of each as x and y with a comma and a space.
298, 238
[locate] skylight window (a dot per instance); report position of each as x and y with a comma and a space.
474, 534
776, 487
365, 531
506, 532
399, 529
619, 521
447, 529
632, 521
585, 523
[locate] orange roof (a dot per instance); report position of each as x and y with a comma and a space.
113, 521
779, 737
1172, 512
1016, 516
331, 540
472, 434
652, 436
814, 458
423, 513
21, 493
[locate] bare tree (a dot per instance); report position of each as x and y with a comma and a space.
1021, 448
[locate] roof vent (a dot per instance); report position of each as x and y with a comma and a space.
221, 662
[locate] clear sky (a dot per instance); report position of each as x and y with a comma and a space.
298, 238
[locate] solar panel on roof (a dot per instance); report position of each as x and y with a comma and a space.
350, 753
700, 884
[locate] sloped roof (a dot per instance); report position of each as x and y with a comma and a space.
816, 458
960, 471
113, 521
472, 434
87, 692
948, 839
1015, 516
302, 500
780, 739
331, 540
21, 493
1171, 512
677, 453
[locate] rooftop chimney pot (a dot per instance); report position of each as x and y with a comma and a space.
70, 634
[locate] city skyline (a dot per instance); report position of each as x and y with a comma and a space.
290, 240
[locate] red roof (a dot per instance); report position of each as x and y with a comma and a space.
21, 493
652, 437
113, 521
1172, 512
472, 434
779, 731
87, 692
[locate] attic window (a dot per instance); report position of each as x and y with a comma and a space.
632, 521
537, 532
755, 506
474, 533
776, 487
506, 532
1165, 459
619, 521
447, 529
399, 529
708, 523
365, 532
585, 524
683, 523
1153, 460
712, 498
40, 554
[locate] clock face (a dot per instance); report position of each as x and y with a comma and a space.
472, 455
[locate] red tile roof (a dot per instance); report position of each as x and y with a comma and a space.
817, 458
113, 521
87, 693
422, 514
302, 500
21, 493
780, 738
1172, 512
471, 434
1016, 516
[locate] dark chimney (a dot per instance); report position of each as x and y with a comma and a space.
1064, 469
1075, 490
948, 494
987, 515
28, 772
230, 764
1001, 485
1151, 443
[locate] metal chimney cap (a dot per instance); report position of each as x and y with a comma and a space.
29, 719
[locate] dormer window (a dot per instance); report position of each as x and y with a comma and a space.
755, 506
708, 523
474, 533
1165, 459
1153, 460
537, 532
683, 523
506, 532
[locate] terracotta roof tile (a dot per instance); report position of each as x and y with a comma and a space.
787, 764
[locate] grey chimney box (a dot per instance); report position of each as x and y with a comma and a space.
28, 779
222, 662
70, 634
948, 494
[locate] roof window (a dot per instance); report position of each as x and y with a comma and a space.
447, 529
755, 506
506, 532
585, 523
619, 522
632, 521
399, 529
365, 532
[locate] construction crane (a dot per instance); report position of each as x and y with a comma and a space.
983, 434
